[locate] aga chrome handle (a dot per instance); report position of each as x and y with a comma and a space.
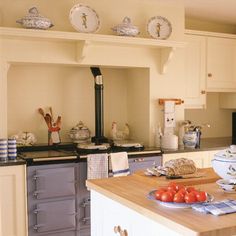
37, 192
36, 227
85, 219
117, 229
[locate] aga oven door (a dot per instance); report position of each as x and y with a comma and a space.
54, 182
57, 215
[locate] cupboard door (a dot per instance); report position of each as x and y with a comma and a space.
195, 71
221, 64
13, 211
55, 182
58, 215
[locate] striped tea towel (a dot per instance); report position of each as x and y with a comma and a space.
97, 166
119, 164
217, 208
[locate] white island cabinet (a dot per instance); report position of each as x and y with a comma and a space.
13, 217
110, 218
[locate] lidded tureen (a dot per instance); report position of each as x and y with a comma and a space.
224, 163
79, 133
33, 20
126, 28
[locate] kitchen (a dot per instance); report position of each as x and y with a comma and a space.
63, 60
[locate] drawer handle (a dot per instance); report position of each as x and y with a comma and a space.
209, 75
117, 229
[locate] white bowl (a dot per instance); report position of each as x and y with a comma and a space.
228, 185
224, 164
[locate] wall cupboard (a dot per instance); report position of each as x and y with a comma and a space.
210, 66
195, 67
13, 213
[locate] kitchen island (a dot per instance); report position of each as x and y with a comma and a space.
120, 207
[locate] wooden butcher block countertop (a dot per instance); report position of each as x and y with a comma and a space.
132, 191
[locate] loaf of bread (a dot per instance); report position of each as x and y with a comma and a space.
180, 166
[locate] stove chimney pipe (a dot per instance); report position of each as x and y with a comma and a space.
99, 124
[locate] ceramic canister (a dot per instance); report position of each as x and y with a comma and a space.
3, 150
12, 149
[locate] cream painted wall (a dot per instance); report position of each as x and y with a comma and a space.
219, 119
70, 92
58, 85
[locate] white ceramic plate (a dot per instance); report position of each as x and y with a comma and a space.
84, 19
151, 196
159, 27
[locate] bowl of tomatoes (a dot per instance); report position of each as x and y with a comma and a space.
179, 196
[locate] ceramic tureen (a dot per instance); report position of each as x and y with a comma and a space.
80, 133
126, 28
224, 163
33, 20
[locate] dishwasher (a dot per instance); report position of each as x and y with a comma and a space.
57, 198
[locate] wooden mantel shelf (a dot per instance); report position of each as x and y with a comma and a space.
84, 40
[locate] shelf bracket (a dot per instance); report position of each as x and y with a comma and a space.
82, 48
166, 56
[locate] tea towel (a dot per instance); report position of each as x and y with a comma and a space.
119, 164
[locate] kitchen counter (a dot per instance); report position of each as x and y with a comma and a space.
131, 192
12, 162
207, 144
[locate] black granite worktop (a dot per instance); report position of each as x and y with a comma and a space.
207, 144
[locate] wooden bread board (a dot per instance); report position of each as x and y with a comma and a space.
208, 176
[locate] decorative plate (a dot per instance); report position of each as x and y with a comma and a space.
159, 27
84, 19
151, 196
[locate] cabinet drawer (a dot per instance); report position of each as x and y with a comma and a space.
140, 163
56, 182
59, 215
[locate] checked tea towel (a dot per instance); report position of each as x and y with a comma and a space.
217, 208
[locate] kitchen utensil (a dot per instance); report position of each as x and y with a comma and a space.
184, 177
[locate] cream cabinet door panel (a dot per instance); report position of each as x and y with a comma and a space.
195, 71
13, 219
221, 64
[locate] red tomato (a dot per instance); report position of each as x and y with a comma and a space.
159, 193
182, 191
190, 189
179, 186
172, 184
190, 198
167, 197
172, 192
171, 188
179, 197
201, 196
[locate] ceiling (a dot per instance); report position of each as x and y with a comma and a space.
222, 11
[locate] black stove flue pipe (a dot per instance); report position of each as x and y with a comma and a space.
99, 124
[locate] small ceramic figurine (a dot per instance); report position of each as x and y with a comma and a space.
53, 127
119, 134
126, 28
34, 20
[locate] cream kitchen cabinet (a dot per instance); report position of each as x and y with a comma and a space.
13, 216
195, 71
201, 158
110, 218
221, 64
